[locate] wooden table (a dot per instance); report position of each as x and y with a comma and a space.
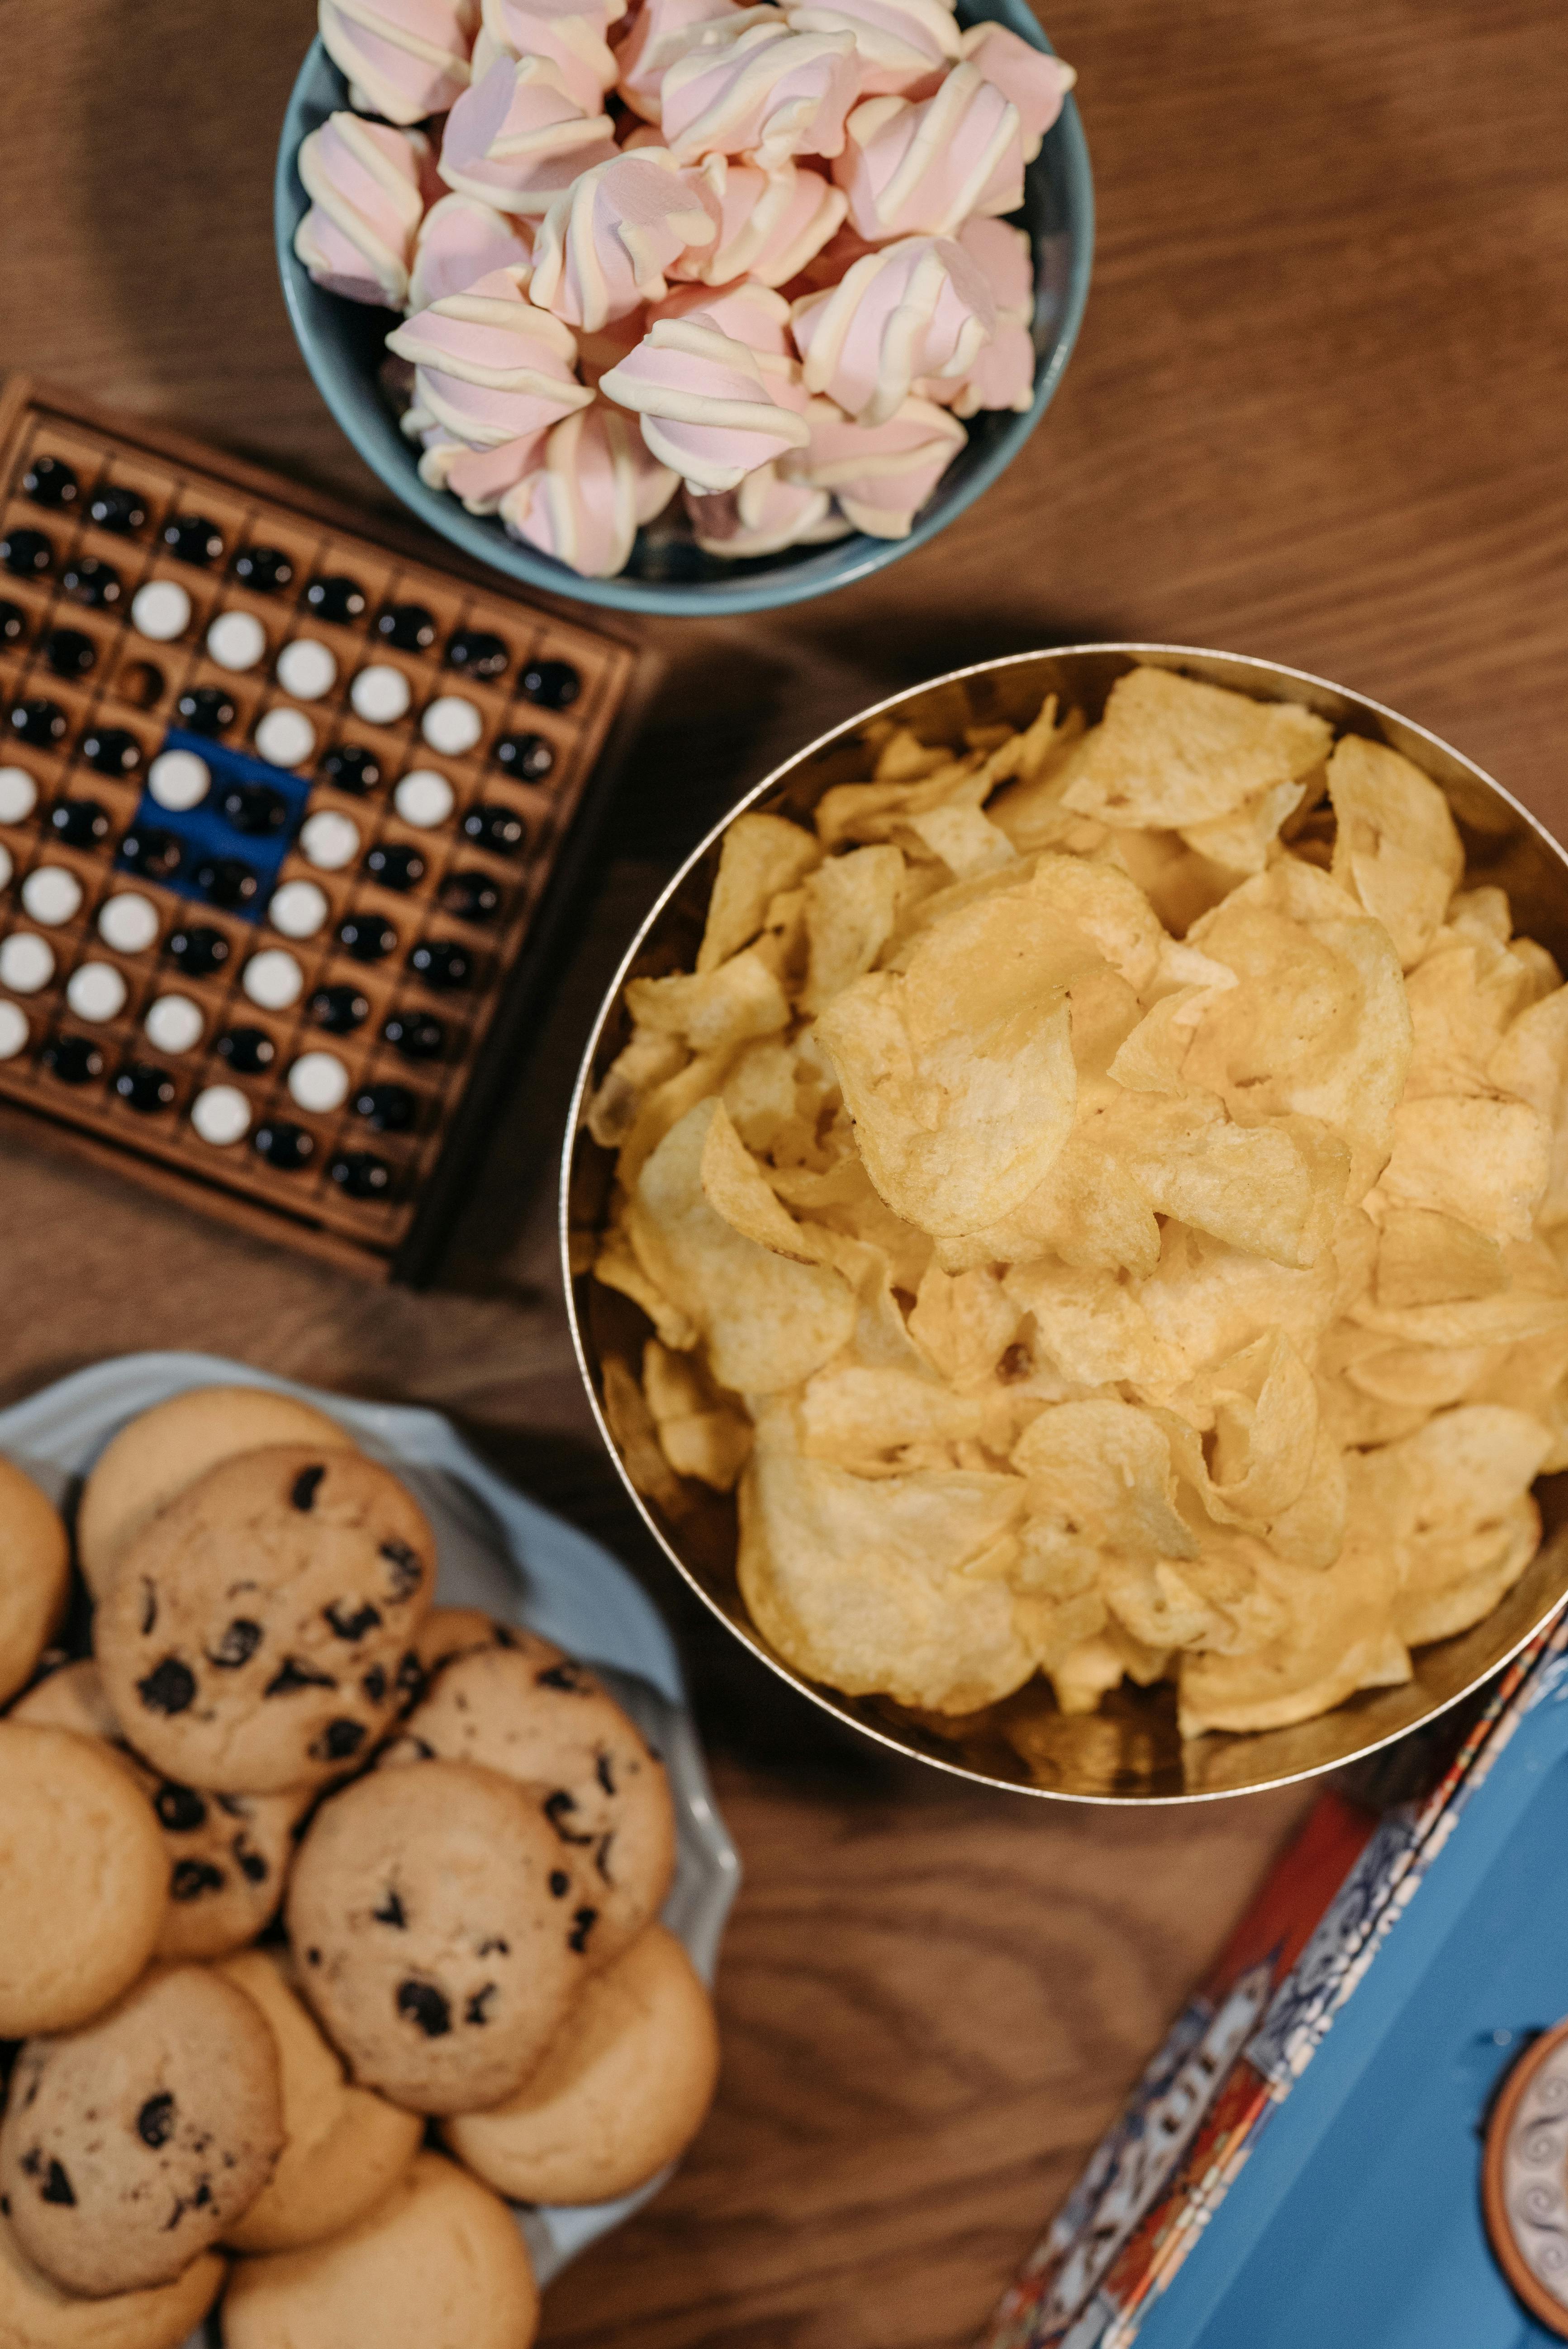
1316, 412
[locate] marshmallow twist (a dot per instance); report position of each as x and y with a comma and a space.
402, 58
918, 307
603, 246
367, 185
568, 34
706, 409
770, 224
903, 47
516, 139
491, 375
599, 482
767, 94
461, 240
881, 474
663, 30
1035, 81
922, 168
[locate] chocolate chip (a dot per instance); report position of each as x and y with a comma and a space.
304, 1494
374, 1685
248, 1859
556, 1806
495, 1948
179, 1808
32, 2161
410, 1678
237, 1646
202, 2196
406, 1571
234, 1807
155, 2121
352, 1625
58, 2187
313, 1957
292, 1675
504, 1636
582, 1923
603, 1772
338, 1742
391, 1912
192, 1878
475, 2010
169, 1687
601, 1857
423, 2004
4, 2206
148, 1606
180, 2206
560, 1883
567, 1676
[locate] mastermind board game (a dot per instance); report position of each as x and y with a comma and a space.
284, 818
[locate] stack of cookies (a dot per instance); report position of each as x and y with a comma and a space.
329, 1919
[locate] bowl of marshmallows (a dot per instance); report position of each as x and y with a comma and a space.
685, 306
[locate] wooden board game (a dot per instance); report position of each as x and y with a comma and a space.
284, 817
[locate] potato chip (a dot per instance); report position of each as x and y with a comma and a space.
637, 1440
761, 855
1156, 1603
1339, 1637
725, 1006
1101, 1474
1425, 1257
1088, 1671
1245, 1437
1530, 1059
867, 813
666, 1105
1182, 885
963, 1323
617, 1268
1241, 842
1052, 1627
861, 1583
851, 906
1170, 752
735, 1188
1532, 1377
1462, 997
700, 1433
1484, 913
1093, 1328
759, 1091
1089, 1210
865, 1419
1273, 1190
767, 1321
1396, 850
643, 1063
1484, 1162
1453, 1500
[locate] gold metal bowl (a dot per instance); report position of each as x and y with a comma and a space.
1129, 1751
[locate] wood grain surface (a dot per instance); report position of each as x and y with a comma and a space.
1316, 413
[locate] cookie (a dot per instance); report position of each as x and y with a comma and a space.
161, 1454
622, 2088
449, 1631
345, 2149
83, 1877
227, 1855
35, 1577
523, 1708
36, 2315
432, 1933
131, 2146
258, 1634
439, 2265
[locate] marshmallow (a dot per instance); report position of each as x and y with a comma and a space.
605, 245
461, 240
1035, 81
920, 307
881, 474
402, 58
516, 139
600, 483
367, 184
903, 47
767, 513
567, 34
753, 314
663, 30
914, 168
1005, 258
770, 224
706, 409
1002, 377
767, 94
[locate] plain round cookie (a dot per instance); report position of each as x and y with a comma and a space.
156, 1456
623, 2089
345, 2149
227, 1855
439, 2265
522, 1707
85, 1884
36, 2315
429, 1935
35, 1576
131, 2146
258, 1634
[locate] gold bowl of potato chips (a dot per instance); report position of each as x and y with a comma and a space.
1066, 1224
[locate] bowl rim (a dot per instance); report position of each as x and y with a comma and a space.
844, 561
824, 1699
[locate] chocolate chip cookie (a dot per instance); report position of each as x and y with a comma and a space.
36, 2315
432, 1932
227, 1854
130, 2146
258, 1634
523, 1708
83, 1880
35, 1576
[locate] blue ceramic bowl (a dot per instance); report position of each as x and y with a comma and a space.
342, 342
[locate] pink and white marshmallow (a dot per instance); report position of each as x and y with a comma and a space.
605, 245
461, 240
913, 168
401, 58
770, 224
749, 313
1005, 259
598, 484
567, 34
881, 474
769, 93
705, 405
516, 140
918, 307
766, 514
660, 31
1035, 81
904, 47
491, 375
368, 185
